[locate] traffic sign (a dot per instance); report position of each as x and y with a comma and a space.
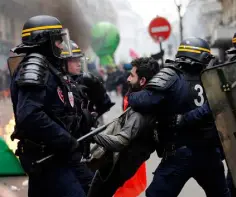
159, 29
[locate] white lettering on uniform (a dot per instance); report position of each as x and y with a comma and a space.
160, 29
200, 100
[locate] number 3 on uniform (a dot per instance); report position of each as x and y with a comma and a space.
200, 99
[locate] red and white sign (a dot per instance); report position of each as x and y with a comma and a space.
159, 29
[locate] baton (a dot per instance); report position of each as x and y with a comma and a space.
88, 135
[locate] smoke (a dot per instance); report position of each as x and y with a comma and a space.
194, 23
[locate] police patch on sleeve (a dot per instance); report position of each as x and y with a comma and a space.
60, 94
70, 97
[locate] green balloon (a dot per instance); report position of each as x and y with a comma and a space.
105, 38
107, 60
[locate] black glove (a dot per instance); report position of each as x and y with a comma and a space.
101, 109
177, 122
83, 91
92, 140
74, 145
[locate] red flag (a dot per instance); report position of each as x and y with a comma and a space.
125, 103
133, 54
134, 186
137, 184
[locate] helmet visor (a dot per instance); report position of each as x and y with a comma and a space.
84, 61
77, 64
61, 46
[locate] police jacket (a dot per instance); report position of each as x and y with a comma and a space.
126, 144
170, 92
132, 126
196, 116
42, 104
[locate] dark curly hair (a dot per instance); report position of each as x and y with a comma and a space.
146, 67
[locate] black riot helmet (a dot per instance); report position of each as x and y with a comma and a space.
194, 51
77, 56
76, 51
233, 49
44, 30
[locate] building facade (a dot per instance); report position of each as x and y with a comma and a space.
133, 32
228, 12
77, 15
224, 28
211, 20
200, 18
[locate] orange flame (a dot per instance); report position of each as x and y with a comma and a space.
8, 129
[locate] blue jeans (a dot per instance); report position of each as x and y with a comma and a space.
205, 166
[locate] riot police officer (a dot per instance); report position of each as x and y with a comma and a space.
191, 152
93, 87
199, 114
43, 105
76, 63
88, 91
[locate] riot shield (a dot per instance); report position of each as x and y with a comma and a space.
13, 63
219, 83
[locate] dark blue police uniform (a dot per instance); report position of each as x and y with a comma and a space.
91, 95
194, 117
191, 152
44, 111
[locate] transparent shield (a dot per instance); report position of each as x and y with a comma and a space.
13, 63
220, 86
61, 46
84, 62
77, 64
66, 44
74, 65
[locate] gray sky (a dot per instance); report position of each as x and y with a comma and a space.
149, 9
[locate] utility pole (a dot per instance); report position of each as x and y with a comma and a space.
179, 6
